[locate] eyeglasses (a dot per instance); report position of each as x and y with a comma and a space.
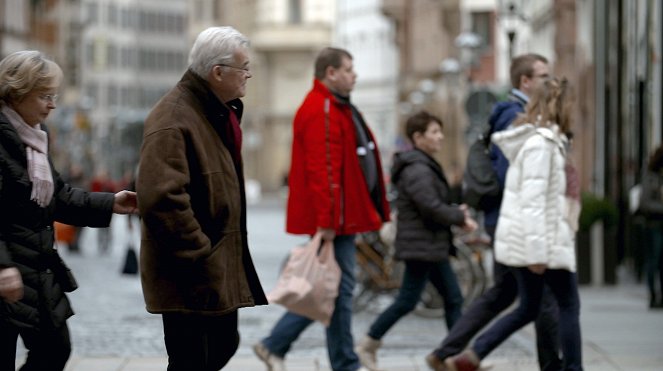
243, 69
49, 98
542, 76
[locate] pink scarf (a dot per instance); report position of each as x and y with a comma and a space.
36, 148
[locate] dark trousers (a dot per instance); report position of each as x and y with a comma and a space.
417, 274
488, 306
199, 343
564, 287
48, 348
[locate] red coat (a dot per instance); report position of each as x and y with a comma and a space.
327, 185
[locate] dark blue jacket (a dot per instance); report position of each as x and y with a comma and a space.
504, 113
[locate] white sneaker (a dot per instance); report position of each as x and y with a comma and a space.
273, 362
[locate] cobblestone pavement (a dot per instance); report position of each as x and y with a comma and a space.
111, 322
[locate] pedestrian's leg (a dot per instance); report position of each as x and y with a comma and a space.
564, 286
547, 336
657, 256
414, 280
530, 289
285, 332
48, 349
481, 312
650, 265
444, 279
340, 344
8, 338
221, 344
186, 341
73, 246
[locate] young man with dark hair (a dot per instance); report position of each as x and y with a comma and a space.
336, 189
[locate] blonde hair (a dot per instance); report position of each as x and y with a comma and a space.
551, 103
24, 71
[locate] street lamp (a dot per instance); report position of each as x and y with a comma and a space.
511, 14
469, 44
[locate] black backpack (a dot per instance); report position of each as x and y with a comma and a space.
481, 188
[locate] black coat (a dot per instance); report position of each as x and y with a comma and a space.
27, 235
424, 215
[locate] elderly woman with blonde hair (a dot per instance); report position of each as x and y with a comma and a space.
33, 277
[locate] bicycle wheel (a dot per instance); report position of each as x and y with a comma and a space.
376, 274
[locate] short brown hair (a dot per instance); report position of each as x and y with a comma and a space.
329, 57
418, 123
523, 65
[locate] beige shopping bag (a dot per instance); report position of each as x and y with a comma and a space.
309, 282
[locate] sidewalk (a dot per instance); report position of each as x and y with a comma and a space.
619, 333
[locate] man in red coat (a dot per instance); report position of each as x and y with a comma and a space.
337, 189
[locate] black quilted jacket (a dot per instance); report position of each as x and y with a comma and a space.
424, 215
27, 235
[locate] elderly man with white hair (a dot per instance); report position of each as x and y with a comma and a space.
196, 269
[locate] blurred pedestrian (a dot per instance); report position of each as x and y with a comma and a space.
336, 188
77, 179
537, 225
651, 207
33, 277
195, 264
423, 232
101, 182
527, 72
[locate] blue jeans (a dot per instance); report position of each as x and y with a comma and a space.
564, 287
417, 274
339, 333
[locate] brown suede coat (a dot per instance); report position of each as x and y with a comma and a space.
194, 254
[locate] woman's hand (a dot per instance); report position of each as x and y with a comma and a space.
470, 225
11, 285
125, 203
537, 268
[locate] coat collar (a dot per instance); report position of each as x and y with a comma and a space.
211, 105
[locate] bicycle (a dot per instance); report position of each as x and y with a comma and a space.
379, 274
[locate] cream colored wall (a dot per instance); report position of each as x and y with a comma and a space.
282, 57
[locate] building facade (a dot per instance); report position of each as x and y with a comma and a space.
14, 26
363, 30
286, 36
132, 52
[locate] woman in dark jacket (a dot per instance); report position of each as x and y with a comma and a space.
423, 235
33, 278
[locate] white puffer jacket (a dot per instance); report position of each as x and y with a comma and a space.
537, 221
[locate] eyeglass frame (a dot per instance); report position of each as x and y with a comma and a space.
49, 98
244, 69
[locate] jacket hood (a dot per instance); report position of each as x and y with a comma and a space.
404, 159
504, 112
511, 141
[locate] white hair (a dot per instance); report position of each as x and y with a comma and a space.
215, 45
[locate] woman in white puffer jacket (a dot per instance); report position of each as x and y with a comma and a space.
538, 220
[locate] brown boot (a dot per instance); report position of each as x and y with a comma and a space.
366, 350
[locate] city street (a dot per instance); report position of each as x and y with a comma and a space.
112, 331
